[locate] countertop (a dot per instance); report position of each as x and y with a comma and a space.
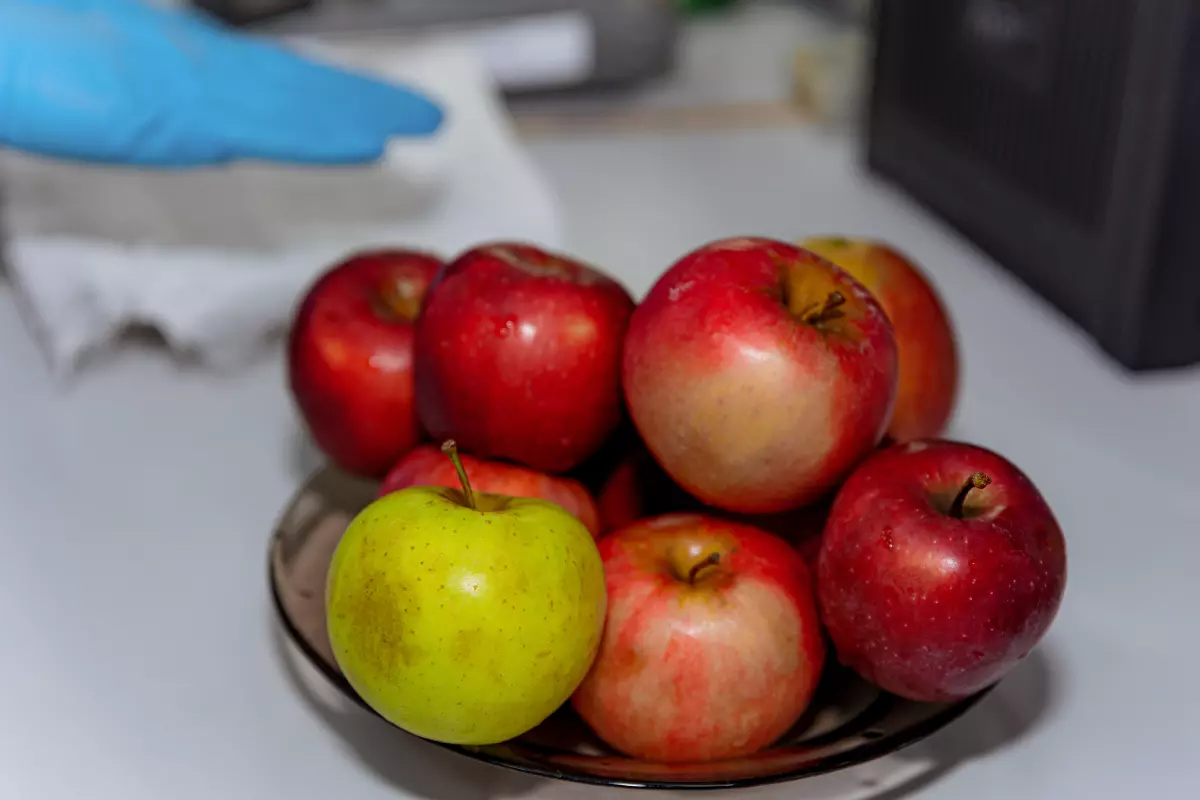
144, 661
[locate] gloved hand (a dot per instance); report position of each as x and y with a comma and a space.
118, 81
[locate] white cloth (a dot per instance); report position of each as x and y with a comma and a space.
215, 259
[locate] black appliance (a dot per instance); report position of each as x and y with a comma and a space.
1063, 138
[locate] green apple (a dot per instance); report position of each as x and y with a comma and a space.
464, 617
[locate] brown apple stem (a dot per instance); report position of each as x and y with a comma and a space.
976, 481
711, 561
403, 299
826, 311
451, 449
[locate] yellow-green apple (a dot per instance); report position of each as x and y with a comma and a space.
461, 616
941, 567
759, 374
427, 465
712, 645
350, 357
518, 355
928, 352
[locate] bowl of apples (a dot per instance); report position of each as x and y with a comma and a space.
711, 539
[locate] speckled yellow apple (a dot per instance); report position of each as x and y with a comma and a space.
464, 617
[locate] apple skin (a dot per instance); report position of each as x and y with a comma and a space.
427, 465
621, 500
715, 668
465, 623
518, 356
926, 605
637, 488
800, 527
925, 338
629, 485
745, 404
350, 357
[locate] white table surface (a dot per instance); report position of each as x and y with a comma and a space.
143, 661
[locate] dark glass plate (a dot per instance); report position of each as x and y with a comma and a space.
849, 722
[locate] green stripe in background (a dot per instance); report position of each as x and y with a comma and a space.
695, 6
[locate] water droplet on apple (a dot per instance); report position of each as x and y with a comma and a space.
506, 329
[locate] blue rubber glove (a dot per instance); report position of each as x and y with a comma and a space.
117, 81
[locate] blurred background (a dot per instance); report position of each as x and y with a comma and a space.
1053, 135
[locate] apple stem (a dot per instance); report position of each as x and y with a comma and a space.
451, 449
825, 311
711, 561
976, 481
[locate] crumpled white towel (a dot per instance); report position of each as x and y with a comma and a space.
216, 259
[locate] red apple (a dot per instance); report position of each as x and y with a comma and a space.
621, 500
637, 488
941, 567
800, 527
759, 374
518, 355
928, 353
712, 647
427, 465
350, 357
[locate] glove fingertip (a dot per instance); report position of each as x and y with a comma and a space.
414, 114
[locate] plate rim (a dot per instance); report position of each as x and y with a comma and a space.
865, 753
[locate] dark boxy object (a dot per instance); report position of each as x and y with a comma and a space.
1063, 137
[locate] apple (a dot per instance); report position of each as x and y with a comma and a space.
518, 356
941, 567
799, 527
759, 374
635, 488
712, 645
623, 499
461, 616
925, 340
426, 465
350, 357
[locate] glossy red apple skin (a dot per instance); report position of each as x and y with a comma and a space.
712, 669
745, 405
350, 357
518, 356
925, 337
427, 465
925, 605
